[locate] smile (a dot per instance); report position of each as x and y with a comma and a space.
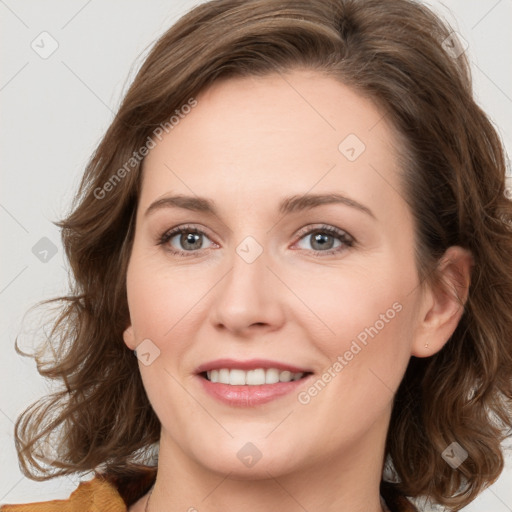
250, 383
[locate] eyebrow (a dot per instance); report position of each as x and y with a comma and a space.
286, 206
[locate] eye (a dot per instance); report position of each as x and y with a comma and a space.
322, 240
185, 240
325, 240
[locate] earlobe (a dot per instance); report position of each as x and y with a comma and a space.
129, 337
444, 302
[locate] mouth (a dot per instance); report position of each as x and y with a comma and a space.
250, 383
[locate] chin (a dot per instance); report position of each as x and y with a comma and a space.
247, 460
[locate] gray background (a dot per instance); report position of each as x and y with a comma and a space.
55, 110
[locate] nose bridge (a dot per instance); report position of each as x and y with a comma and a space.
247, 296
248, 280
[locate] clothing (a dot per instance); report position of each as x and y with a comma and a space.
111, 494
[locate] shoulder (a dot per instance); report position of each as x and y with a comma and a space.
108, 492
90, 496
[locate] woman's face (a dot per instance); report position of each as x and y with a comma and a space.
296, 260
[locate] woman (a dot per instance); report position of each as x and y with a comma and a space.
297, 222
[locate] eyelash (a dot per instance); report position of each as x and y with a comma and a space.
346, 239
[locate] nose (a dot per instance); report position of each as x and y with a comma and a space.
249, 298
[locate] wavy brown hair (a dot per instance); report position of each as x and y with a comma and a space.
394, 52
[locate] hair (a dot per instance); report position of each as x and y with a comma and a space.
453, 173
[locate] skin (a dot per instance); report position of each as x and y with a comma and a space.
249, 143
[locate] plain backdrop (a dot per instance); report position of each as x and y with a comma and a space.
55, 108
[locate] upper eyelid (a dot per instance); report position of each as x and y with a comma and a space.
327, 227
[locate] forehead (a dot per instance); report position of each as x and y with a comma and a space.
260, 135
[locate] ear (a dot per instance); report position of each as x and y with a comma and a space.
129, 338
443, 304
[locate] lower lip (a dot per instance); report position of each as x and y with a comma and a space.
249, 396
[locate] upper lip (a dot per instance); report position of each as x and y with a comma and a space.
250, 364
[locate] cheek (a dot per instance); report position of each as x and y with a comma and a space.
347, 304
362, 328
366, 357
158, 304
160, 296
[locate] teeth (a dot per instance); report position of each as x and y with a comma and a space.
257, 377
223, 375
285, 376
237, 377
